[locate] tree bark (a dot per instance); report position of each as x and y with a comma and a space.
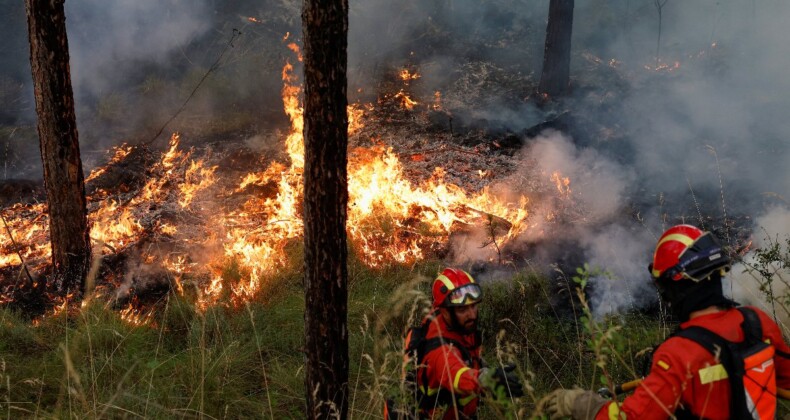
555, 77
325, 27
60, 153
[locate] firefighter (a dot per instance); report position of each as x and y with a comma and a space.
689, 377
450, 376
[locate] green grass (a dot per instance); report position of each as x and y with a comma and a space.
247, 362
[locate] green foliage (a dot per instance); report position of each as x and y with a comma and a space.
770, 265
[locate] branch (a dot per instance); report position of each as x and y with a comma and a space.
18, 253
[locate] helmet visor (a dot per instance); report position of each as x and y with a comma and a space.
702, 258
465, 295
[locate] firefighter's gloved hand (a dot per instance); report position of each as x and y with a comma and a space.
502, 381
576, 402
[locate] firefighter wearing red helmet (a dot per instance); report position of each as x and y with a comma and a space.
723, 362
450, 374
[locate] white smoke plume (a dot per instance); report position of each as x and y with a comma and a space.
748, 286
606, 239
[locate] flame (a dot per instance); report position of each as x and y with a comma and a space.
563, 184
197, 178
356, 113
406, 75
121, 152
437, 101
405, 101
390, 218
136, 316
30, 227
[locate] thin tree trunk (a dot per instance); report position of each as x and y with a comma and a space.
555, 77
325, 26
60, 152
660, 6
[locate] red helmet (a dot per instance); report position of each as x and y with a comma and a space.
454, 287
686, 252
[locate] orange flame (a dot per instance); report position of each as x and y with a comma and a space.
563, 184
390, 218
407, 75
405, 101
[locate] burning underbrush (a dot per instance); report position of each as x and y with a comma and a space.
176, 219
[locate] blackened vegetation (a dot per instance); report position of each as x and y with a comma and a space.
485, 114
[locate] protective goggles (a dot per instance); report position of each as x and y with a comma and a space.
699, 260
465, 295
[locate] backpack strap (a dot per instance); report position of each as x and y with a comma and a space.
436, 342
751, 325
425, 346
724, 351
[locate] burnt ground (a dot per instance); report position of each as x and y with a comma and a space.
449, 132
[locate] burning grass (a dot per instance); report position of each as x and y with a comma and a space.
172, 219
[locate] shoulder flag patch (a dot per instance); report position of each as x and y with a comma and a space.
663, 365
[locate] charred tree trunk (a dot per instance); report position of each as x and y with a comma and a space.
325, 27
60, 151
555, 77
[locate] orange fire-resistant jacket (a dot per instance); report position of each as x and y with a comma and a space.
446, 369
678, 373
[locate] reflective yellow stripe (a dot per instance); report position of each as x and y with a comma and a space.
465, 400
429, 391
712, 374
446, 281
615, 413
471, 279
458, 376
684, 239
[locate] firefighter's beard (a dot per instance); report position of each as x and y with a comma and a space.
469, 326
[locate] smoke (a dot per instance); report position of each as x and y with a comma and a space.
107, 38
771, 290
700, 139
602, 234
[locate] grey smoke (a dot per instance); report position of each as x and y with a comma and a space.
694, 144
108, 36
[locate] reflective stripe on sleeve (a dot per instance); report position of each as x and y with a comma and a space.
466, 400
615, 413
712, 374
458, 376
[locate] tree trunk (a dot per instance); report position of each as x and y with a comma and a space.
555, 78
325, 26
60, 152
